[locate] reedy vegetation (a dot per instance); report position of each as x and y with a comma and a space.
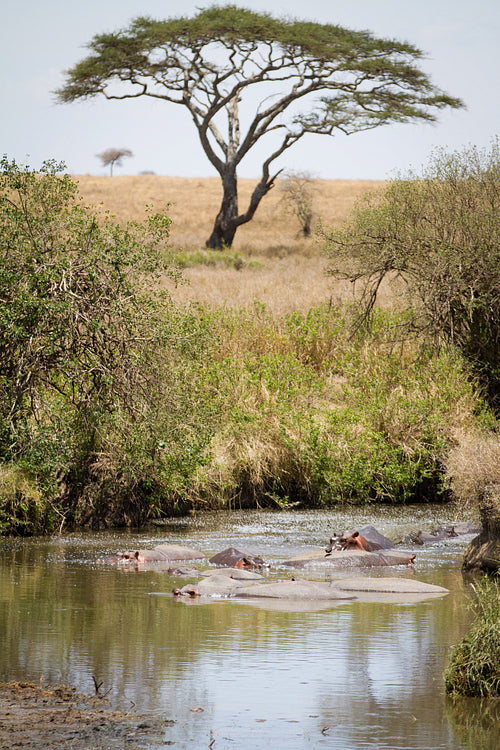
205, 407
475, 662
317, 416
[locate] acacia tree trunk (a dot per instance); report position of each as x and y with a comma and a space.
226, 221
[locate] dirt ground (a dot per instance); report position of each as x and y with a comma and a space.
57, 718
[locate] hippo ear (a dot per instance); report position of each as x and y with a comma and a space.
355, 534
136, 555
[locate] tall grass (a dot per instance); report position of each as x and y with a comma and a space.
313, 416
473, 465
474, 668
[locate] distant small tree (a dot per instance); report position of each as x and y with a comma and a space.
113, 156
297, 195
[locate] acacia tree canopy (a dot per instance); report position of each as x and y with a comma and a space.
310, 78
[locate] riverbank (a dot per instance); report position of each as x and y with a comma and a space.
239, 401
54, 717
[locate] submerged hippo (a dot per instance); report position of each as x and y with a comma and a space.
391, 589
161, 553
367, 539
354, 557
235, 558
219, 583
442, 532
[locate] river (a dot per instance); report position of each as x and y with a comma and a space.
233, 674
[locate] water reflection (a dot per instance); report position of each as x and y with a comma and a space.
350, 675
476, 722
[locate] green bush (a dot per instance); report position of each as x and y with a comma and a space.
436, 237
474, 668
93, 360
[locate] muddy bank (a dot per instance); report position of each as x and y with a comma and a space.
53, 717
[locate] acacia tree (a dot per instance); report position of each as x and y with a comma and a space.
309, 77
112, 156
298, 199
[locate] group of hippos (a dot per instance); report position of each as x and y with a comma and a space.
238, 573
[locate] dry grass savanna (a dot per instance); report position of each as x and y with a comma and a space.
279, 267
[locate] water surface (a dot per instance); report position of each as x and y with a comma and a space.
234, 674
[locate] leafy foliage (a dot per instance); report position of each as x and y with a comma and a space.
68, 304
438, 235
92, 363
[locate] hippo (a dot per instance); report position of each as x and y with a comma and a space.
367, 539
235, 558
368, 589
216, 585
160, 554
168, 552
351, 556
442, 532
219, 583
296, 588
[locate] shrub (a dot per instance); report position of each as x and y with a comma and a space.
93, 359
474, 668
297, 196
438, 235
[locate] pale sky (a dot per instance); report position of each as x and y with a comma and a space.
40, 39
